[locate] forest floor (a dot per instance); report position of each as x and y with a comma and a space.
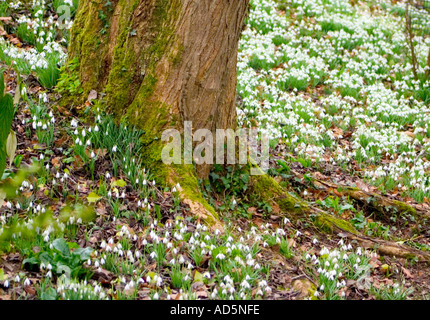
83, 219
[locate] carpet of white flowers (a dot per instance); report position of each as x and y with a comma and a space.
331, 81
335, 83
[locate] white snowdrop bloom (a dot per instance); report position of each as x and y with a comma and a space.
181, 259
220, 256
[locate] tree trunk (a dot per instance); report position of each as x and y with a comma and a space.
160, 63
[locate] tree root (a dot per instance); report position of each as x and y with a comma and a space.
380, 203
294, 208
185, 181
344, 229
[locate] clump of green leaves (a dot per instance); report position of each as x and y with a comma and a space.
58, 3
394, 292
49, 76
64, 258
68, 82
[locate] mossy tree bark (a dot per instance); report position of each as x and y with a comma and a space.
160, 63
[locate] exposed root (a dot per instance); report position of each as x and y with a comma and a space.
382, 204
190, 194
295, 208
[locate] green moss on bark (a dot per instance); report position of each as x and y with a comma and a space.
269, 190
327, 223
185, 175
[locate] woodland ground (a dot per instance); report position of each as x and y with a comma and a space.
331, 82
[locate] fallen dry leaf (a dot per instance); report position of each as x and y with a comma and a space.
407, 273
303, 286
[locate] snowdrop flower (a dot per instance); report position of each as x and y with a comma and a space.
220, 256
181, 259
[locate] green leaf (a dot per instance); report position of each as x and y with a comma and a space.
49, 294
2, 86
83, 253
93, 197
18, 159
11, 144
73, 245
62, 268
46, 258
61, 245
6, 117
2, 195
17, 96
69, 160
198, 277
31, 261
118, 183
2, 276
